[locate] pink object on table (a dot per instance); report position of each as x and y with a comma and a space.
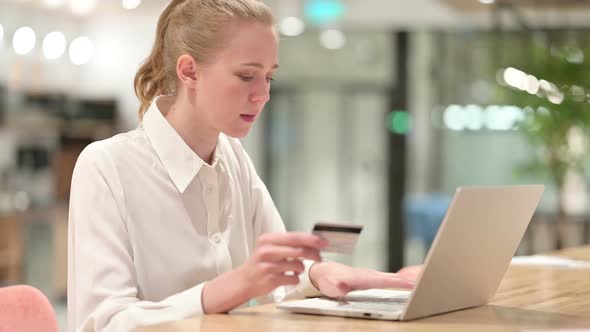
26, 309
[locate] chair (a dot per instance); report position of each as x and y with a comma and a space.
11, 250
424, 214
25, 309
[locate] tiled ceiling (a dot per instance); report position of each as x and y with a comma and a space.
394, 13
475, 5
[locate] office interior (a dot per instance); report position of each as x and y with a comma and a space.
379, 111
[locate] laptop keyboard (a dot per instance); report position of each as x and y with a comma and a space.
368, 300
372, 306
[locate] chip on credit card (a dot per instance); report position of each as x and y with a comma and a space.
342, 237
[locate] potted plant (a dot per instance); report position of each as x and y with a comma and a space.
551, 82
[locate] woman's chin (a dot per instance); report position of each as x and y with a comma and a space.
237, 133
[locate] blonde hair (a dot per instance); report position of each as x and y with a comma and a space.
190, 27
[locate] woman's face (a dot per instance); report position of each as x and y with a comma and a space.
234, 86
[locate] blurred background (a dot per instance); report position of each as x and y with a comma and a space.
380, 110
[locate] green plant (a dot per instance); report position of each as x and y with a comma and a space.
556, 117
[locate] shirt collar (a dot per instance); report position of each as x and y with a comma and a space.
179, 160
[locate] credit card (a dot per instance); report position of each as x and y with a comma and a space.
342, 237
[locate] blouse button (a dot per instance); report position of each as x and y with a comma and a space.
216, 238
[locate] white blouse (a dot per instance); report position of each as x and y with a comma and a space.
150, 223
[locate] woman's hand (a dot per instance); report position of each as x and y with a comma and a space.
336, 280
276, 261
411, 272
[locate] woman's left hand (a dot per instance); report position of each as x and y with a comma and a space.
411, 272
336, 280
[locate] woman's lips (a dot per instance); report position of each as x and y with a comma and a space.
248, 117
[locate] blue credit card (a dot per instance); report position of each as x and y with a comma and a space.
342, 237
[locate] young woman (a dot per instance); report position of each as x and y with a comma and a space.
170, 220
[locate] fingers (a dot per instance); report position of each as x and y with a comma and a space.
341, 288
295, 266
336, 289
382, 280
411, 269
410, 272
273, 253
293, 239
394, 282
279, 246
283, 280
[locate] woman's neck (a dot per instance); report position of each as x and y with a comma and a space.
192, 128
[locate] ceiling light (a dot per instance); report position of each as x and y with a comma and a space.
291, 26
53, 4
81, 51
332, 39
24, 40
54, 45
130, 4
82, 7
515, 78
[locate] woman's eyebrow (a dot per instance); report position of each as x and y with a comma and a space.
257, 65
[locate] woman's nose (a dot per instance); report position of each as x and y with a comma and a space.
261, 94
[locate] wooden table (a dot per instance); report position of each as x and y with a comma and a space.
529, 299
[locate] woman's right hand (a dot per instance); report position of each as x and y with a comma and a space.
276, 261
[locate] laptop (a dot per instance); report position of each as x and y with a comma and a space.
471, 252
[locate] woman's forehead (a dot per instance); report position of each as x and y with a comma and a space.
251, 43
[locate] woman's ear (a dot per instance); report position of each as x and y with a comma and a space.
186, 70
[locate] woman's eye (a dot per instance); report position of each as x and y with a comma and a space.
269, 79
246, 78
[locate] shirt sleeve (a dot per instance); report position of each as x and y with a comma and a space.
102, 287
268, 219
